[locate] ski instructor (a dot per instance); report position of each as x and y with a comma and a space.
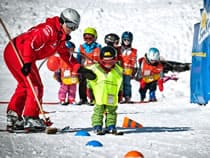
39, 42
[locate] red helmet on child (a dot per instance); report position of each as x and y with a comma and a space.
108, 57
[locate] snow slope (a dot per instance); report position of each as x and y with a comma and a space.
173, 127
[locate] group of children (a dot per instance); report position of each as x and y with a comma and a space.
147, 70
108, 81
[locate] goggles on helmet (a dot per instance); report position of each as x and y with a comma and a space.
71, 25
88, 37
126, 39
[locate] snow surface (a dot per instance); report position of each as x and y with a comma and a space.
173, 127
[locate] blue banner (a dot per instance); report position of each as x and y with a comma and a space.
200, 69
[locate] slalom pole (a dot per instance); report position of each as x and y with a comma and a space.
85, 56
27, 77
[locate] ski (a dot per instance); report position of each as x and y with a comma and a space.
48, 130
104, 132
21, 131
115, 133
141, 102
45, 102
100, 133
137, 102
66, 129
64, 104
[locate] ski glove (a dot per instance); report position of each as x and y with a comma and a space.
75, 68
57, 75
89, 74
26, 69
160, 84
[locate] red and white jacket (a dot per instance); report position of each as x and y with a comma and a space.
149, 72
127, 58
42, 41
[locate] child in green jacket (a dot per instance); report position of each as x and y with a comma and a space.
105, 81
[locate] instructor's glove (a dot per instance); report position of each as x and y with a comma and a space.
160, 84
26, 69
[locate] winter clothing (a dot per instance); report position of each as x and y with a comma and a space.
127, 57
67, 91
92, 52
37, 43
105, 87
68, 81
149, 75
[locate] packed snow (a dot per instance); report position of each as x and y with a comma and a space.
172, 127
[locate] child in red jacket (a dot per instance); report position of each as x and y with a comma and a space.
127, 56
68, 78
150, 74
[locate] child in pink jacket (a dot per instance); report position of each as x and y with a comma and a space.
68, 79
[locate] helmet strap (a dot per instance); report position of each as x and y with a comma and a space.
61, 20
68, 37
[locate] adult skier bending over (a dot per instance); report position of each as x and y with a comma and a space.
37, 43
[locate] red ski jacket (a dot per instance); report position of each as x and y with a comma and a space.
42, 41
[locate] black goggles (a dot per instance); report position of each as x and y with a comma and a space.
71, 25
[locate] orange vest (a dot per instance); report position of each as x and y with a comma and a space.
67, 77
150, 72
93, 56
128, 61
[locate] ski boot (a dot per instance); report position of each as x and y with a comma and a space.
98, 130
14, 122
111, 129
152, 97
34, 124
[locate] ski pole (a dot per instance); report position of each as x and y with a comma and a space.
85, 56
27, 77
42, 63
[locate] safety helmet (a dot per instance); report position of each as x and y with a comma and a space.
91, 31
153, 54
127, 35
107, 52
108, 57
111, 39
71, 18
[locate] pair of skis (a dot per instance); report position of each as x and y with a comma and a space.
53, 130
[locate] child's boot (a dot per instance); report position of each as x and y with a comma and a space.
152, 96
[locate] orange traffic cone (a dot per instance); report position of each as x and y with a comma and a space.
129, 123
134, 154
